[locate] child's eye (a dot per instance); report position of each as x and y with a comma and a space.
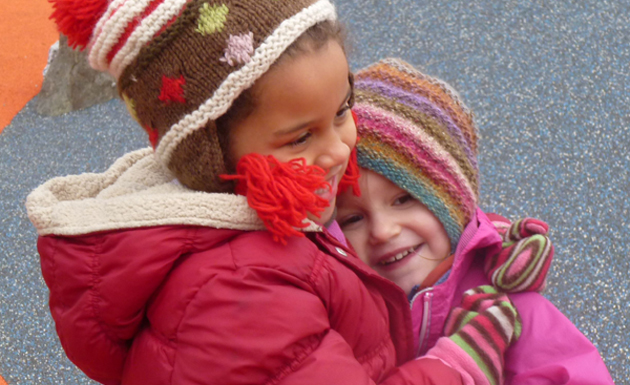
343, 112
350, 220
401, 200
301, 140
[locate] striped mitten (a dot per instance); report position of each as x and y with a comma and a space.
478, 335
523, 263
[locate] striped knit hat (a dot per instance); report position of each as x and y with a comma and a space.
180, 64
416, 132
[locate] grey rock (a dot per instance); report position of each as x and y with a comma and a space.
70, 83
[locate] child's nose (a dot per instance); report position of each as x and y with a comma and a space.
334, 152
383, 230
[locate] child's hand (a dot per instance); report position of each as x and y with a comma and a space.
479, 333
520, 229
478, 301
523, 263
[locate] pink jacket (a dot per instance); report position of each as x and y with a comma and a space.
151, 283
550, 351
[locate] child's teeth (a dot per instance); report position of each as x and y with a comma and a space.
324, 190
398, 256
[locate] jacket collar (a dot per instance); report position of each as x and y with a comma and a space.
478, 240
136, 191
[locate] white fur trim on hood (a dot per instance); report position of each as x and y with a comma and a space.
136, 191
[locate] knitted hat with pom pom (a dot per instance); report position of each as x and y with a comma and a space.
417, 133
180, 64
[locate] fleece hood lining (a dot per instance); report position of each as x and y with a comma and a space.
136, 191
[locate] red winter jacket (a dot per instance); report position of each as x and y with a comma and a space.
151, 283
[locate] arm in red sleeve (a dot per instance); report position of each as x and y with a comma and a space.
99, 285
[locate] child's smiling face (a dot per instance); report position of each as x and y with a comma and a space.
392, 232
302, 111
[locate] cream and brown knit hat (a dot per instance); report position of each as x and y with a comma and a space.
180, 64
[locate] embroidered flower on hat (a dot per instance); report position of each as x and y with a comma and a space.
172, 90
153, 135
212, 18
131, 107
239, 50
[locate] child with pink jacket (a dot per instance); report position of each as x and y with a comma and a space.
418, 224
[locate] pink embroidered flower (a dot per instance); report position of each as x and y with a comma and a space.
239, 49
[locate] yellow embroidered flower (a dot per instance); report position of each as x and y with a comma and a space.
131, 107
212, 18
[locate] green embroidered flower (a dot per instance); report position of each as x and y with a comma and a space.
212, 18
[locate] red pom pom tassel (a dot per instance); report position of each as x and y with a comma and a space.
281, 193
350, 178
77, 19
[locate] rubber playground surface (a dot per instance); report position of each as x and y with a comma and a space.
549, 83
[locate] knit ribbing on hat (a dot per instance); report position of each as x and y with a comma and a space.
416, 132
149, 26
461, 113
111, 28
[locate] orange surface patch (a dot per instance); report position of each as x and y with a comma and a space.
26, 35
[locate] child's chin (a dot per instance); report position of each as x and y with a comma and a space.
324, 216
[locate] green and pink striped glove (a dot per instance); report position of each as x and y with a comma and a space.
477, 336
523, 263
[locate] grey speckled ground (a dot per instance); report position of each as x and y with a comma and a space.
550, 85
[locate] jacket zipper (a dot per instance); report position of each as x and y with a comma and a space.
426, 315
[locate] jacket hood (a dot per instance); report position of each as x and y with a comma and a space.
136, 191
